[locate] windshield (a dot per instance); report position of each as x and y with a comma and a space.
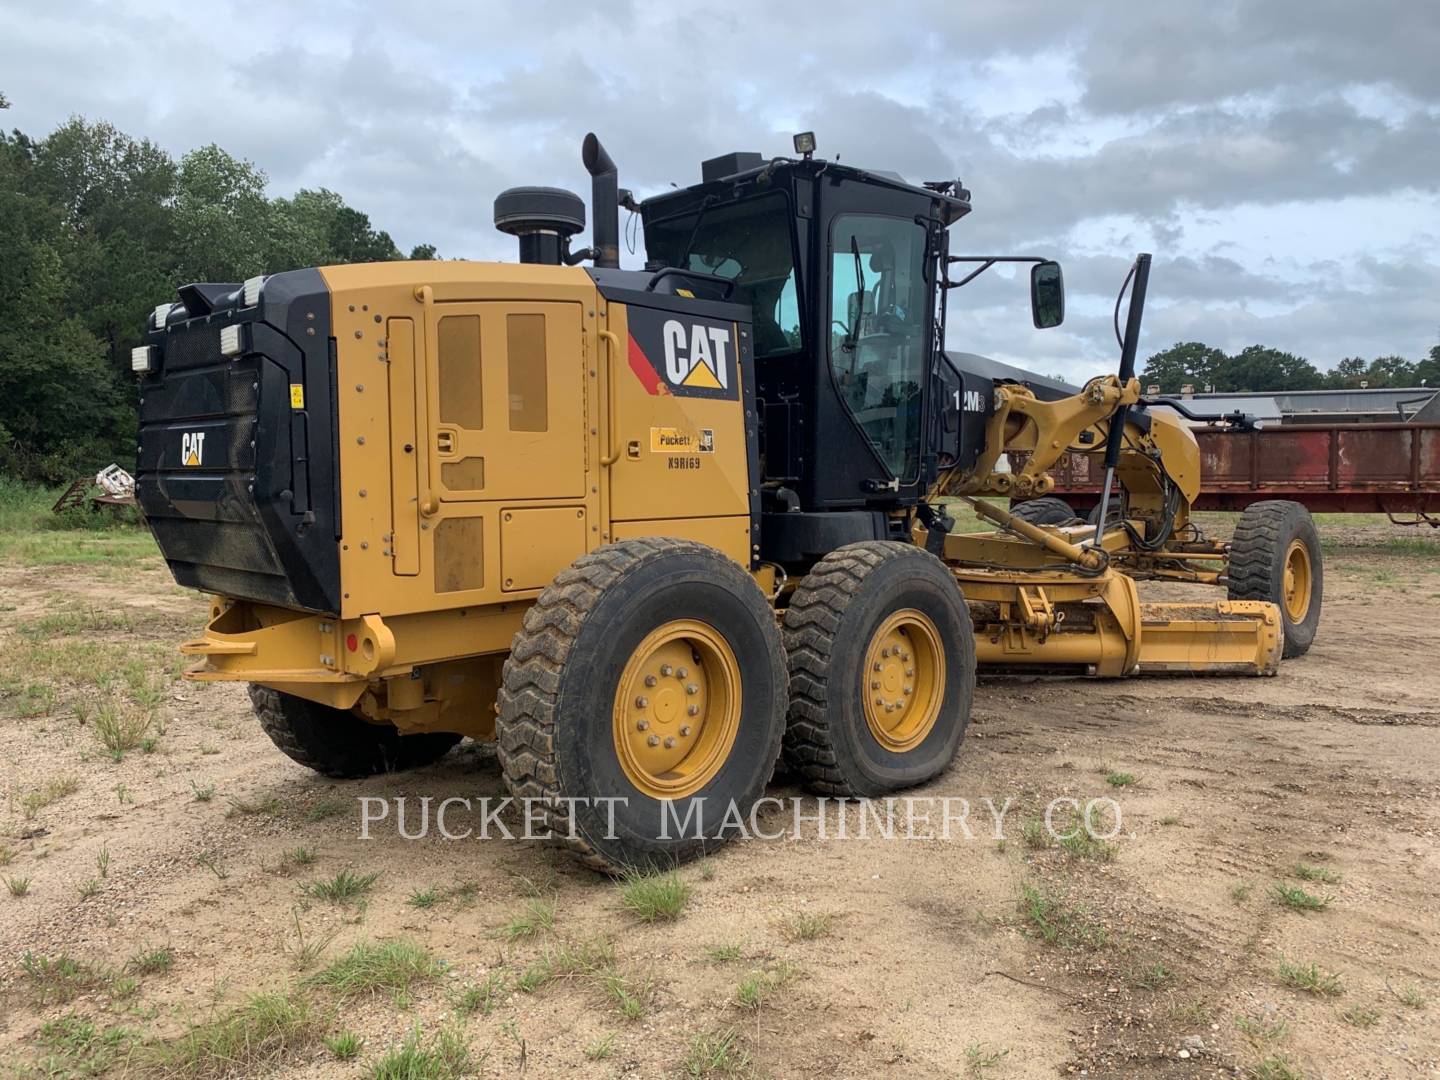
749, 243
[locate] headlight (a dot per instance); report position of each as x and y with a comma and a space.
232, 340
162, 313
142, 359
250, 291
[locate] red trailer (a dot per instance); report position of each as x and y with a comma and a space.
1389, 469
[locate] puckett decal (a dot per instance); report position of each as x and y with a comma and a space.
684, 355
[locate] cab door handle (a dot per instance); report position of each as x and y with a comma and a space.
445, 442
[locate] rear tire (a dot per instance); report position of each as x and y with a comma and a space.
336, 742
859, 603
1048, 510
1275, 555
644, 639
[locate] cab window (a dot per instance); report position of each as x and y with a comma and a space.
878, 332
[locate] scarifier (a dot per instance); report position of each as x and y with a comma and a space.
650, 529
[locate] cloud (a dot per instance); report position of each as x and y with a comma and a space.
1281, 159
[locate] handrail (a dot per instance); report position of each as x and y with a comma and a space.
612, 452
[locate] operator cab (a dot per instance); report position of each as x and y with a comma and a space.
840, 268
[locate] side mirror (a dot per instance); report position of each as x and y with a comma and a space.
1047, 295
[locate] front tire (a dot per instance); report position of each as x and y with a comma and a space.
1047, 510
882, 670
650, 673
335, 742
1275, 556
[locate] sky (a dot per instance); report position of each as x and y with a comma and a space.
1280, 158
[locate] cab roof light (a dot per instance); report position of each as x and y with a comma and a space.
232, 340
143, 359
250, 291
162, 315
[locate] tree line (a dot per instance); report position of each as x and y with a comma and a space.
1258, 369
96, 228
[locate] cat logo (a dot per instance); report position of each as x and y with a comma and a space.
192, 447
699, 357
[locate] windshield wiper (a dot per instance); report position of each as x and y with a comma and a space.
852, 332
684, 263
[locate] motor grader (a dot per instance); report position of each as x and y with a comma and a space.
652, 529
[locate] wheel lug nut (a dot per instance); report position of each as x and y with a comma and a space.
685, 731
879, 701
642, 725
879, 666
889, 708
691, 688
641, 701
874, 684
650, 680
884, 652
653, 740
909, 689
682, 673
909, 672
666, 670
693, 710
669, 742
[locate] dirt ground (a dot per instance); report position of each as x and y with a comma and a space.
162, 890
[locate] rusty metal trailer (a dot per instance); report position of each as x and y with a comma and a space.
1387, 468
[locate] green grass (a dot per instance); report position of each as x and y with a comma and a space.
1411, 996
55, 980
715, 1053
1297, 899
78, 1047
444, 1056
980, 1059
255, 1037
1057, 922
121, 728
47, 794
267, 806
1308, 978
343, 887
1259, 1032
152, 961
1307, 872
723, 954
1275, 1067
17, 886
1361, 1017
481, 997
1120, 779
808, 926
423, 898
537, 916
344, 1045
1154, 975
602, 1047
324, 810
654, 897
760, 986
372, 966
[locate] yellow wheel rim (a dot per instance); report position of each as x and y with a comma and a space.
903, 680
677, 709
1298, 577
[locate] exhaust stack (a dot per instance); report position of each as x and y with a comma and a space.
604, 202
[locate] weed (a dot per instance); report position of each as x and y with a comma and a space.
1170, 819
1035, 834
1358, 1016
654, 897
538, 915
154, 961
759, 986
51, 791
372, 966
602, 1047
202, 794
707, 870
290, 858
254, 1037
424, 898
7, 854
120, 729
716, 1053
87, 889
631, 994
1120, 779
344, 1045
304, 951
1259, 1032
1241, 892
1409, 995
1297, 899
1080, 844
343, 887
1276, 1068
210, 861
979, 1059
446, 1056
1306, 872
62, 978
723, 954
325, 808
1154, 976
1056, 922
102, 861
807, 926
79, 1048
17, 885
269, 806
481, 997
122, 794
1309, 978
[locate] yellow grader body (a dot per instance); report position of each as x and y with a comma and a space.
649, 532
